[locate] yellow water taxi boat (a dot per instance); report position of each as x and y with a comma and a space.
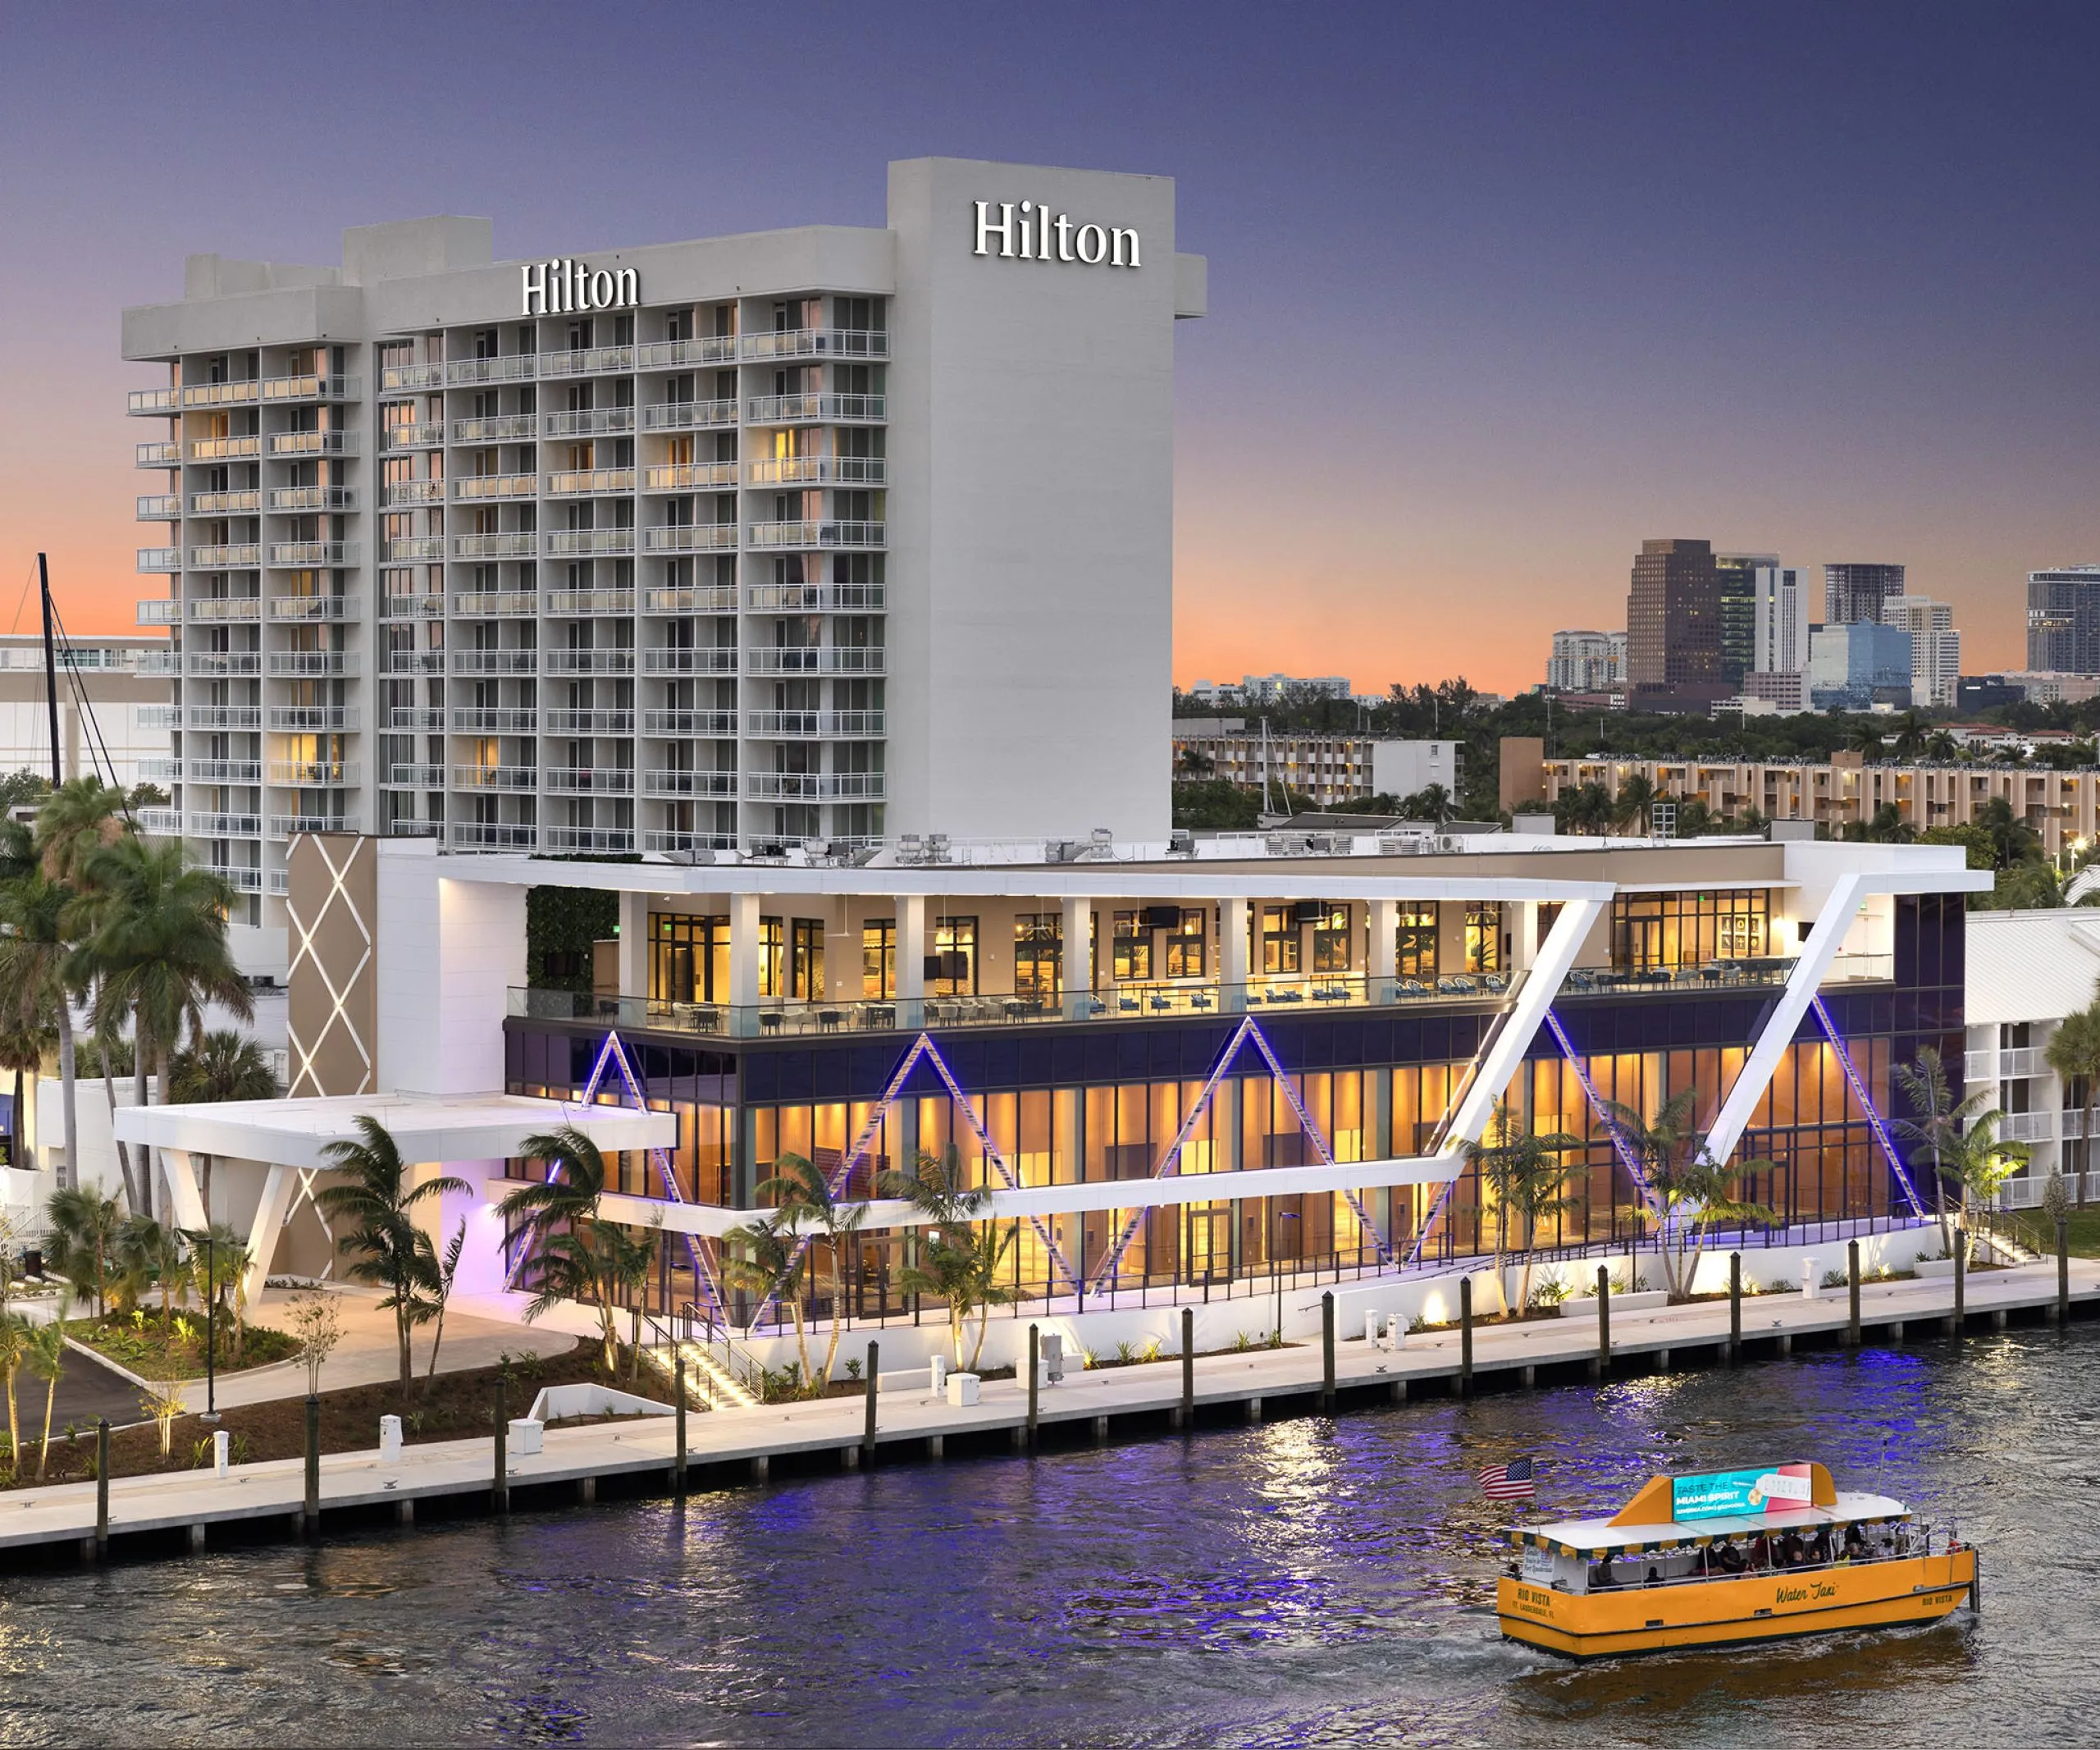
1727, 1558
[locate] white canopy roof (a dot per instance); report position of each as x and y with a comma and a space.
426, 1127
1590, 1535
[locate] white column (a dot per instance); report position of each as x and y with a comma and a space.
743, 963
1232, 954
634, 946
1384, 950
186, 1200
1522, 918
911, 959
1078, 958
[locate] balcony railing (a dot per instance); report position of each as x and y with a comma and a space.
242, 394
244, 503
818, 343
159, 716
217, 771
681, 725
411, 662
817, 598
496, 604
212, 664
593, 422
160, 559
167, 771
293, 499
814, 659
682, 781
472, 488
309, 386
494, 719
803, 725
297, 608
303, 553
163, 823
291, 825
415, 777
601, 721
153, 401
562, 543
309, 663
590, 780
223, 716
706, 659
412, 550
669, 355
588, 483
689, 537
818, 470
307, 719
415, 717
493, 835
241, 877
587, 361
159, 507
496, 428
689, 477
690, 598
687, 415
425, 434
400, 493
494, 661
396, 378
612, 660
506, 368
211, 825
157, 662
775, 786
816, 409
159, 610
225, 555
817, 534
240, 449
668, 843
589, 839
2012, 1063
222, 610
407, 603
313, 773
522, 544
157, 455
332, 442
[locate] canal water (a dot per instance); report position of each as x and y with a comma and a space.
1305, 1582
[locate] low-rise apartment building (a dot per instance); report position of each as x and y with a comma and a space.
1330, 770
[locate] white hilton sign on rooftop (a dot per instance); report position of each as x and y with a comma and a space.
1028, 232
560, 287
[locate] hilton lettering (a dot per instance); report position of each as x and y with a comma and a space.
1030, 232
563, 286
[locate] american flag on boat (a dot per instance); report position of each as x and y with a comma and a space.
1509, 1482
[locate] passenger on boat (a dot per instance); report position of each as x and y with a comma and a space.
1819, 1552
1790, 1551
1855, 1545
1601, 1578
1730, 1557
1760, 1553
1654, 1577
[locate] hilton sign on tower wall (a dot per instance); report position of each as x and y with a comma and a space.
1053, 238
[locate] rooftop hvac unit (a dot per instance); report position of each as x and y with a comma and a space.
1180, 842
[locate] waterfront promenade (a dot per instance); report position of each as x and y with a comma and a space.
169, 1513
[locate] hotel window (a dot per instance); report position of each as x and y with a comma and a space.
1279, 940
805, 962
1484, 937
1130, 946
1038, 954
1184, 946
769, 943
688, 957
1669, 930
951, 967
879, 959
1414, 945
1331, 940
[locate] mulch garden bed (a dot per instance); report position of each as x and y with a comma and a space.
177, 1352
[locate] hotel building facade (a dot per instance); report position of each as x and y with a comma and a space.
816, 536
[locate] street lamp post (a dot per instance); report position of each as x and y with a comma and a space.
1275, 1258
211, 1324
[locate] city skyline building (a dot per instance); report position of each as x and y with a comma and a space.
1586, 661
2063, 620
1857, 665
1935, 648
1853, 592
1674, 628
113, 715
1736, 574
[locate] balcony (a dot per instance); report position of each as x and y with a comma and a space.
244, 503
159, 716
496, 428
218, 664
584, 601
521, 544
310, 720
569, 543
220, 771
209, 825
160, 823
814, 659
303, 608
159, 662
401, 493
309, 664
226, 554
394, 379
782, 786
223, 716
603, 720
851, 786
816, 598
153, 401
309, 443
589, 482
680, 725
309, 386
243, 877
305, 553
684, 844
816, 725
411, 661
496, 604
491, 720
587, 361
817, 534
219, 610
493, 662
402, 828
818, 470
402, 604
481, 488
313, 773
669, 355
288, 825
414, 777
690, 598
2010, 1063
157, 455
168, 771
159, 507
291, 501
688, 416
589, 839
426, 434
243, 448
593, 422
159, 558
818, 343
242, 394
505, 367
590, 780
689, 537
613, 659
412, 550
706, 659
491, 835
683, 781
495, 777
689, 477
816, 409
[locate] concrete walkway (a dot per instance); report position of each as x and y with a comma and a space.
725, 1445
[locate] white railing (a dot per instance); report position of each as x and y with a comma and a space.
818, 470
242, 878
405, 604
158, 822
159, 716
415, 717
562, 543
690, 598
818, 343
522, 544
706, 659
493, 835
411, 661
159, 454
605, 720
313, 773
672, 844
683, 724
405, 492
2028, 1126
810, 409
612, 660
314, 607
593, 422
496, 428
225, 449
298, 719
817, 534
685, 416
480, 487
158, 662
852, 785
239, 394
309, 386
418, 777
286, 826
680, 781
152, 401
158, 611
588, 483
669, 355
685, 477
508, 367
586, 361
425, 434
220, 771
240, 504
817, 598
815, 724
208, 825
332, 442
212, 665
299, 553
588, 780
793, 786
309, 663
394, 378
323, 498
494, 661
814, 659
159, 507
412, 550
219, 609
589, 839
159, 558
226, 554
493, 720
689, 537
496, 603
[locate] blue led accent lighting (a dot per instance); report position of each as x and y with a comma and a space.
1620, 1146
1874, 1119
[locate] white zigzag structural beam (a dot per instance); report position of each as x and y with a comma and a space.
303, 953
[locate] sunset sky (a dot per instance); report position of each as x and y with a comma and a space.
1495, 291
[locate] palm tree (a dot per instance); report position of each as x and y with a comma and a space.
1940, 745
1528, 1175
952, 1263
47, 1360
149, 1255
219, 1262
1911, 734
1944, 1126
217, 1067
801, 1183
1635, 796
76, 819
446, 1274
37, 970
1692, 1191
23, 1041
2012, 839
14, 1353
570, 1265
624, 1261
767, 1256
1865, 735
160, 942
2073, 1054
82, 1229
379, 1199
563, 1199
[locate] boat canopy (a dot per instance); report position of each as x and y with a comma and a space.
1691, 1512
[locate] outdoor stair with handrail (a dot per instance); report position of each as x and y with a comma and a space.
711, 1380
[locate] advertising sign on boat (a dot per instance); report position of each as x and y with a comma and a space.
1732, 1494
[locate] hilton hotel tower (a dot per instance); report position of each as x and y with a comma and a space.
806, 538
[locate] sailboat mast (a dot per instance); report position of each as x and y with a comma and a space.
50, 666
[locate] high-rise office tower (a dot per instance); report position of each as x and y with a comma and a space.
1583, 661
1780, 643
1674, 628
1737, 575
1853, 592
2063, 620
1935, 648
